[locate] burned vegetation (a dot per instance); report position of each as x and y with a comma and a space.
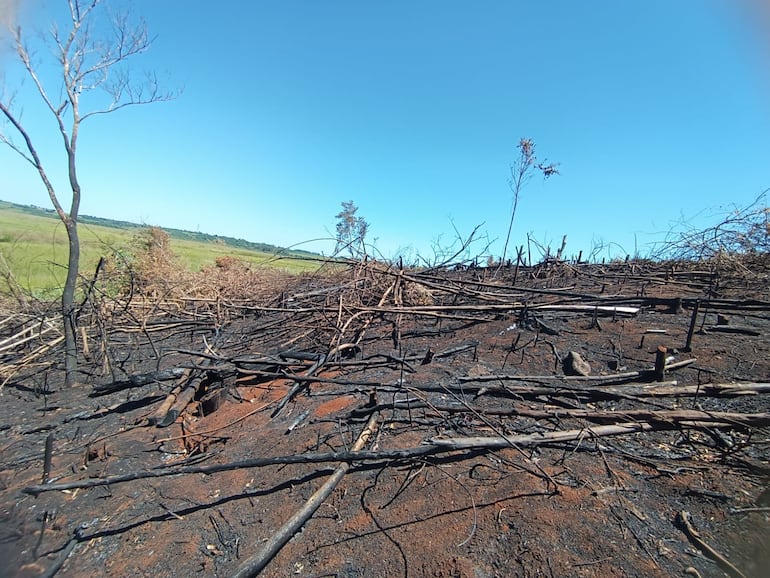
565, 419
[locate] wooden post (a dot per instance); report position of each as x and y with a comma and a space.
47, 457
660, 362
691, 330
519, 261
560, 252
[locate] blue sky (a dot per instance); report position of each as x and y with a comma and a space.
657, 112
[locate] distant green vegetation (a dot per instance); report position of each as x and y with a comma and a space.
33, 247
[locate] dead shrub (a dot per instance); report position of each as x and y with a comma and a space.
417, 294
148, 268
741, 232
231, 279
156, 268
226, 262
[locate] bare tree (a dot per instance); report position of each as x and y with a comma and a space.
351, 230
91, 53
521, 172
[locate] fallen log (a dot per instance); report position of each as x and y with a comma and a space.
162, 411
732, 329
138, 380
430, 447
651, 416
185, 397
591, 379
253, 565
599, 309
626, 390
705, 390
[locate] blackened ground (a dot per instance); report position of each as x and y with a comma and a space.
596, 506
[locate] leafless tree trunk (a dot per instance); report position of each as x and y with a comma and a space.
85, 53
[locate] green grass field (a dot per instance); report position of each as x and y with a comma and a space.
33, 247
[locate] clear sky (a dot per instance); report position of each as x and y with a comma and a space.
657, 111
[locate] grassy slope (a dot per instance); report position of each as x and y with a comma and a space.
34, 245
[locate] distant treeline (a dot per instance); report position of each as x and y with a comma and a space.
173, 233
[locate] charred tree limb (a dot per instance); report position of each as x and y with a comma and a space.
312, 379
627, 390
652, 416
732, 329
684, 521
256, 563
138, 380
597, 380
430, 447
299, 385
471, 345
180, 403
